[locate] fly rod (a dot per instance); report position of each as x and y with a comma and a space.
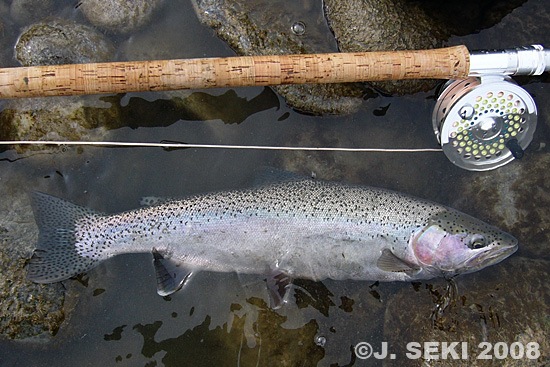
244, 71
482, 118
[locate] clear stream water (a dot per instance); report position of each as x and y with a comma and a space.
222, 319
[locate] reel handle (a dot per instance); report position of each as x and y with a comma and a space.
135, 76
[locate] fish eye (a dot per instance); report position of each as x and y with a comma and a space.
478, 244
477, 241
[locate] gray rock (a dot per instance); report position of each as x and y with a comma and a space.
516, 198
87, 118
119, 16
170, 37
27, 310
506, 303
61, 42
375, 25
250, 29
322, 99
55, 118
525, 25
471, 16
26, 11
5, 51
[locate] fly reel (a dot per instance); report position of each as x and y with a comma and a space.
483, 123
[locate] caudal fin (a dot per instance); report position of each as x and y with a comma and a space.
62, 251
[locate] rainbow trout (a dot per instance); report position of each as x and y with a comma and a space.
293, 228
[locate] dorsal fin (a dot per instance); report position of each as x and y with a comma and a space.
154, 200
269, 175
389, 262
171, 274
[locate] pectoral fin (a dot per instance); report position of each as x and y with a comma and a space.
279, 285
389, 262
171, 274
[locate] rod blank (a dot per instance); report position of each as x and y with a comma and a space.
531, 60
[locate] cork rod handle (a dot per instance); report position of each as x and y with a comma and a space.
121, 77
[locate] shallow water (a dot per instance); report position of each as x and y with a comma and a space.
223, 319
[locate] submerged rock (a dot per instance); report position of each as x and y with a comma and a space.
387, 25
323, 98
119, 16
55, 118
24, 11
262, 28
5, 48
525, 25
3, 54
470, 16
89, 118
507, 303
27, 310
516, 198
61, 42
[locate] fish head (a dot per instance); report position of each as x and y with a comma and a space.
455, 243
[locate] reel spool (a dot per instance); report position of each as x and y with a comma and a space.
483, 123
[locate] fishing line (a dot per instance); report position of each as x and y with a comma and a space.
213, 146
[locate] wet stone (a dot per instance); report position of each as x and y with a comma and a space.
5, 49
162, 42
61, 42
384, 25
266, 28
27, 310
55, 118
471, 16
524, 25
516, 199
323, 98
119, 16
507, 303
25, 11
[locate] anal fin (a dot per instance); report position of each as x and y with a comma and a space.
171, 274
279, 285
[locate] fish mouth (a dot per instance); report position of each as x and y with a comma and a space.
492, 254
